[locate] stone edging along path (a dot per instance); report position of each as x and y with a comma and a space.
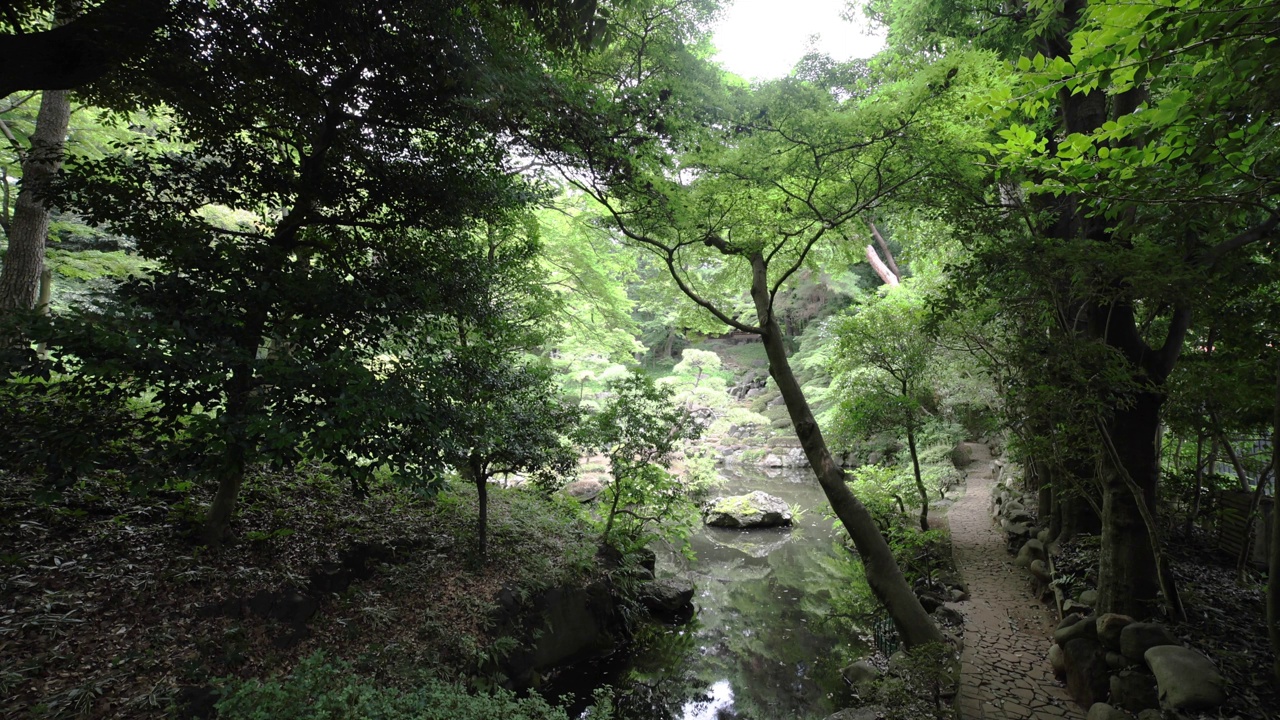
1005, 670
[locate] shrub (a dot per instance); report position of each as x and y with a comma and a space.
324, 689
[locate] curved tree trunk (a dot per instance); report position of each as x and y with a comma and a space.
1273, 563
29, 229
883, 574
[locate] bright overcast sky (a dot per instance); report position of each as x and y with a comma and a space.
763, 39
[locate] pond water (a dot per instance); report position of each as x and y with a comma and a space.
761, 645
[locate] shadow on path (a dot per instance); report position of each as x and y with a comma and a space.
1004, 670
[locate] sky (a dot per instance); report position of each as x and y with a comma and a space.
763, 39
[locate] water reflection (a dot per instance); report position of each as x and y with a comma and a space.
760, 647
715, 707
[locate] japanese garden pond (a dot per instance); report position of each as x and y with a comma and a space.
762, 644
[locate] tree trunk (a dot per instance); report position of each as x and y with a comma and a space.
475, 468
1273, 563
883, 574
1128, 576
1199, 481
915, 466
29, 229
230, 479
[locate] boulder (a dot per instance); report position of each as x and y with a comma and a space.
1031, 551
771, 461
931, 601
1088, 597
1057, 661
1085, 628
755, 509
947, 615
1016, 531
1185, 679
1116, 661
962, 456
1137, 638
584, 491
669, 600
958, 595
1134, 691
1150, 715
1068, 620
1040, 570
1087, 676
1103, 711
1109, 627
860, 673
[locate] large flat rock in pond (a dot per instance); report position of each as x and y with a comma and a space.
756, 509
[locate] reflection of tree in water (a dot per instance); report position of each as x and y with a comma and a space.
762, 626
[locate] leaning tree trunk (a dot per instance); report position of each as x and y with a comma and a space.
883, 574
1273, 563
29, 229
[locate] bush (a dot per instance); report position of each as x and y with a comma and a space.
324, 689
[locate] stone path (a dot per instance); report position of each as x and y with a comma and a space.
1005, 669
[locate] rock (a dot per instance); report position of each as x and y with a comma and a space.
962, 456
1057, 661
1103, 711
1134, 691
1109, 627
771, 461
930, 601
1016, 531
562, 625
1071, 606
1089, 597
958, 595
1087, 676
1031, 551
859, 673
669, 600
948, 615
1185, 679
1086, 628
584, 491
1040, 572
1043, 536
755, 509
1150, 715
1068, 620
1116, 661
1137, 638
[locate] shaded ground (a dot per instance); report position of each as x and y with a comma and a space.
1005, 671
108, 610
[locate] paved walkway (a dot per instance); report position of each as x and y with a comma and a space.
1005, 669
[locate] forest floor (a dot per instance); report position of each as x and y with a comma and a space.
1005, 670
109, 609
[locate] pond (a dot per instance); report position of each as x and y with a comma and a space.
762, 644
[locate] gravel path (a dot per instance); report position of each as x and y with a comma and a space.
1004, 671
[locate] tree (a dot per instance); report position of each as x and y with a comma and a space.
736, 190
1137, 89
882, 354
20, 278
504, 414
354, 173
640, 428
